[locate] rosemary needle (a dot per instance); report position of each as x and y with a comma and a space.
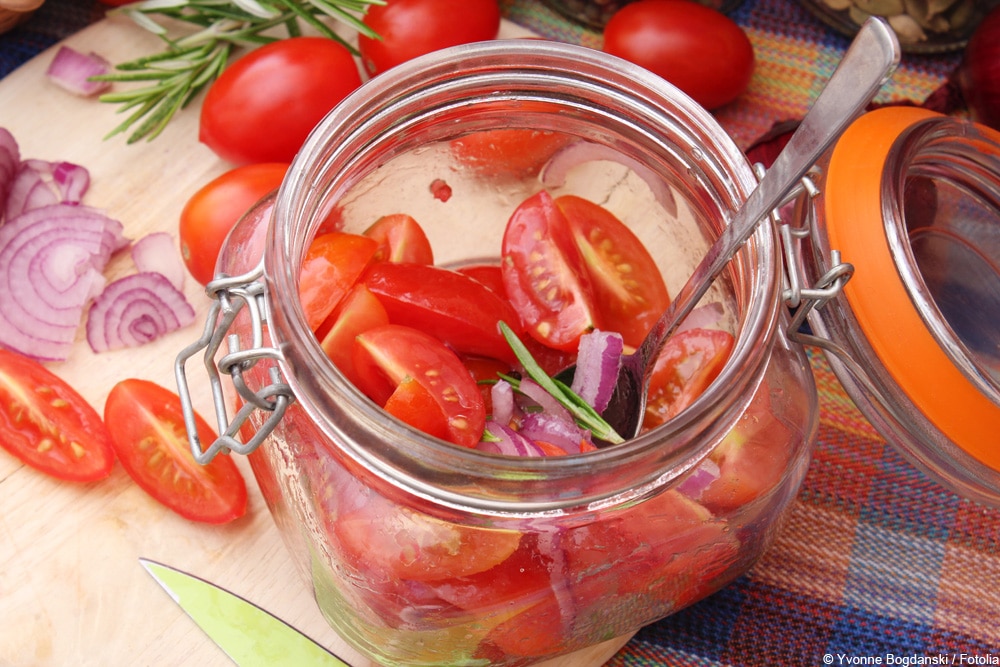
190, 62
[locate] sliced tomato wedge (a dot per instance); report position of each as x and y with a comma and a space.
332, 265
148, 435
688, 363
386, 356
628, 287
447, 304
359, 311
400, 544
48, 425
544, 276
414, 404
400, 238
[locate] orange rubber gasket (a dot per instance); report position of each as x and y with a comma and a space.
879, 299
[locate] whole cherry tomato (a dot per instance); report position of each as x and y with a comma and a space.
698, 49
214, 210
411, 28
263, 106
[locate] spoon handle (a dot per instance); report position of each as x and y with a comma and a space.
867, 65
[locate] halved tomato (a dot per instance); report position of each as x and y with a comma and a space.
447, 304
628, 288
332, 265
414, 404
48, 425
400, 239
150, 439
688, 363
386, 356
544, 276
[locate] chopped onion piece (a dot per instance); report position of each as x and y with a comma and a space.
597, 366
10, 162
699, 479
52, 258
507, 442
72, 70
39, 183
555, 171
562, 433
136, 310
157, 253
502, 398
543, 399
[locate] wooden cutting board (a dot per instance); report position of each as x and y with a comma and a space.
71, 587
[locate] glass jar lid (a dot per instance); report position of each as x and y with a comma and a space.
912, 200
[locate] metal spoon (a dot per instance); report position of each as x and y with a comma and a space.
867, 65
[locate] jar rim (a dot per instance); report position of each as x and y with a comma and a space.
361, 122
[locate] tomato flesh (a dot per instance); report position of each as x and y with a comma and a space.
400, 239
48, 425
628, 288
358, 312
386, 356
149, 436
543, 275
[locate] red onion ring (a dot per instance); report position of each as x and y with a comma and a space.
51, 264
562, 433
157, 253
507, 442
38, 183
136, 310
597, 366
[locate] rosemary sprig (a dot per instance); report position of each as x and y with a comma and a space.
583, 413
192, 61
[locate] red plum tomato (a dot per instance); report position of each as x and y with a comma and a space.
212, 211
698, 49
263, 106
411, 28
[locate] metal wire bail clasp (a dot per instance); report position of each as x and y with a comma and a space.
230, 297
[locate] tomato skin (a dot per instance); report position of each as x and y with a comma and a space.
688, 363
386, 356
212, 211
358, 312
46, 424
450, 305
411, 28
148, 435
507, 152
628, 288
544, 276
263, 105
332, 265
698, 49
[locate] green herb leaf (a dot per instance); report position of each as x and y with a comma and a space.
583, 413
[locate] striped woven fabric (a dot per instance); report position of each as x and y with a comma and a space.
877, 564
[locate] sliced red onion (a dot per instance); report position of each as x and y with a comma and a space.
72, 70
699, 479
51, 264
562, 433
597, 366
39, 183
136, 310
555, 171
157, 253
543, 399
507, 442
10, 162
502, 398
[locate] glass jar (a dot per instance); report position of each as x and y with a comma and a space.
423, 553
912, 198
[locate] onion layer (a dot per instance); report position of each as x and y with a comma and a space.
52, 260
71, 70
10, 160
136, 310
597, 367
157, 253
39, 183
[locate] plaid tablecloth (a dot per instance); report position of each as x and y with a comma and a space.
877, 564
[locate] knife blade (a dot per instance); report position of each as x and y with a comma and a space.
247, 633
